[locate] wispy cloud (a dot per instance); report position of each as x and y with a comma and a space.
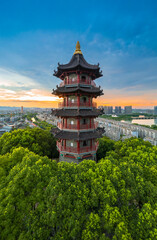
15, 86
11, 78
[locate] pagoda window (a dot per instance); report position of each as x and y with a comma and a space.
72, 100
84, 121
84, 143
84, 99
71, 144
72, 122
83, 78
73, 77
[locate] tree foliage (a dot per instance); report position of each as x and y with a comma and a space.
44, 125
113, 199
105, 145
36, 140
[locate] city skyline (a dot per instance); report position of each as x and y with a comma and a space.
120, 35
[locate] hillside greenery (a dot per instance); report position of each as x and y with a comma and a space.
41, 199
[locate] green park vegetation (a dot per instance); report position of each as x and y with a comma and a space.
43, 124
30, 115
41, 199
153, 127
147, 126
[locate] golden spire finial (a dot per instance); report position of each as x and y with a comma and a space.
78, 50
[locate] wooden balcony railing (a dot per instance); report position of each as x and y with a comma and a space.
76, 104
75, 81
75, 126
76, 150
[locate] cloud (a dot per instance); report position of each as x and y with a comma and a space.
36, 95
11, 78
30, 58
31, 95
15, 86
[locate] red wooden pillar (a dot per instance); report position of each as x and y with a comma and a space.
89, 101
78, 124
78, 147
67, 101
68, 79
90, 123
66, 123
88, 80
91, 144
78, 101
64, 144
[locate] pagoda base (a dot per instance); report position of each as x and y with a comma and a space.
76, 159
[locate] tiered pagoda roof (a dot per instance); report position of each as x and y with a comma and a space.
81, 136
59, 91
78, 62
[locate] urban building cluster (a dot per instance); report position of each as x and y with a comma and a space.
117, 110
10, 121
14, 118
117, 130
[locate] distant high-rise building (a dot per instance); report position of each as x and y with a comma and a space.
118, 110
155, 110
105, 109
108, 109
128, 109
21, 109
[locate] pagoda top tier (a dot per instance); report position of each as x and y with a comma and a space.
78, 63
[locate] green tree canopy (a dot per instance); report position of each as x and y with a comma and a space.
22, 194
113, 199
105, 145
36, 140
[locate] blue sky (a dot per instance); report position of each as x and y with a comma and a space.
120, 35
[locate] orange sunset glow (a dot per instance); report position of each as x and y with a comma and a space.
44, 99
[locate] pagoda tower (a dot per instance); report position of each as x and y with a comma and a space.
77, 132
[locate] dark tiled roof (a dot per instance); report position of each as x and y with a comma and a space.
77, 112
60, 134
91, 90
78, 62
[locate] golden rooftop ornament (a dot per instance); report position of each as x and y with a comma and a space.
77, 51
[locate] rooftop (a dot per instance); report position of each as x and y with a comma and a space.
78, 62
81, 136
90, 90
